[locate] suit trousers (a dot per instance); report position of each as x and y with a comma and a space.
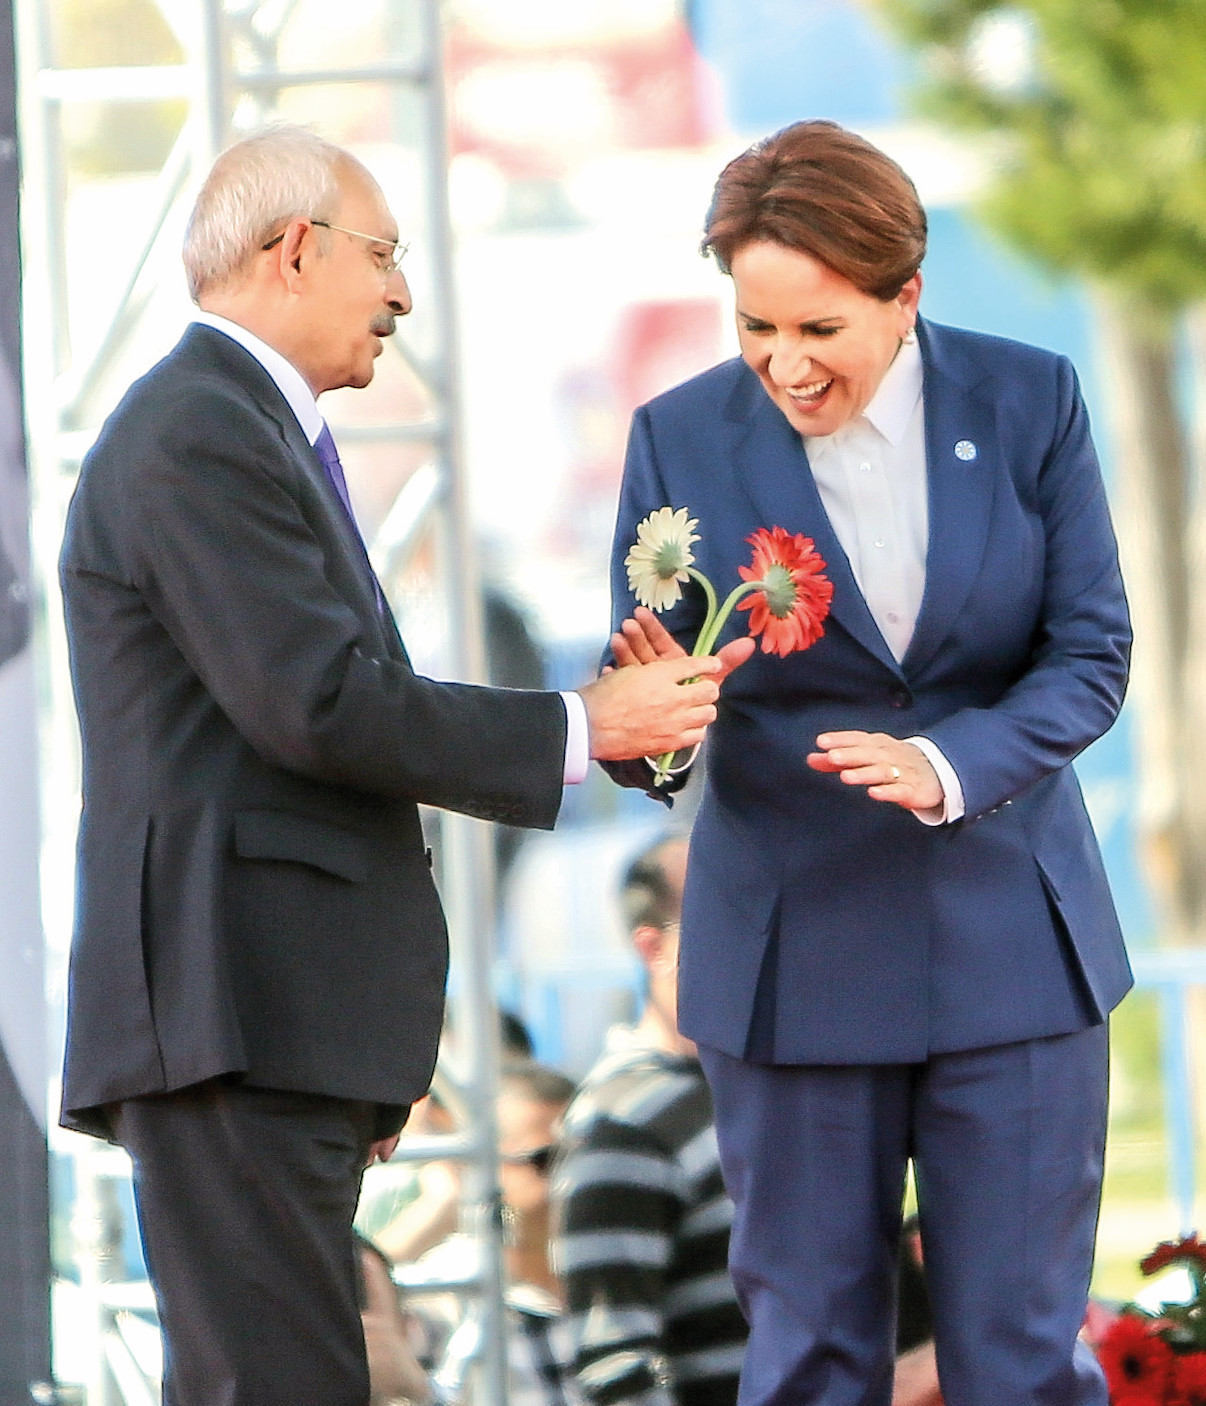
1007, 1145
245, 1199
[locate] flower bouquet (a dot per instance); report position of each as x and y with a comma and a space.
784, 587
1159, 1358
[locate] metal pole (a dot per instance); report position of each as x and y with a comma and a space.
469, 843
214, 114
1178, 1100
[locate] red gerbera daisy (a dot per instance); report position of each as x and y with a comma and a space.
1136, 1362
1189, 1378
1188, 1249
795, 594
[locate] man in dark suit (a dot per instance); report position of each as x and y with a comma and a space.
258, 972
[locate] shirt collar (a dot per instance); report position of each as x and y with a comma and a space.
287, 377
891, 407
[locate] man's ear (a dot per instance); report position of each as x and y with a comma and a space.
651, 945
289, 250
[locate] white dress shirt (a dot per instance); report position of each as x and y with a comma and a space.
292, 385
871, 475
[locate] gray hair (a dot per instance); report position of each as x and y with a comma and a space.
254, 189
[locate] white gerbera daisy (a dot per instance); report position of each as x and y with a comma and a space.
658, 560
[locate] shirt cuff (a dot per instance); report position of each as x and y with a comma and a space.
577, 739
952, 805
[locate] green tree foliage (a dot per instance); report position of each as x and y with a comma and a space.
1100, 125
1093, 116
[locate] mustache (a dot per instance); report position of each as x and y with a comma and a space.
383, 326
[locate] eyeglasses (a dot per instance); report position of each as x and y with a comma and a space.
539, 1158
397, 254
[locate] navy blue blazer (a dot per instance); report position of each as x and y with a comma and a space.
820, 926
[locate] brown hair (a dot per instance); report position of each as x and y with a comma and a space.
820, 190
649, 895
535, 1083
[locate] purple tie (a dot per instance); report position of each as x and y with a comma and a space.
324, 447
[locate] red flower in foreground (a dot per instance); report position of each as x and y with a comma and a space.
1188, 1249
1189, 1379
787, 612
1137, 1363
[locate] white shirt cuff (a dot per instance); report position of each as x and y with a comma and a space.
577, 739
952, 806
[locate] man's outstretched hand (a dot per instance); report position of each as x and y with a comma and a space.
642, 710
644, 707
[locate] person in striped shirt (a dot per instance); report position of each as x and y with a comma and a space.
641, 1215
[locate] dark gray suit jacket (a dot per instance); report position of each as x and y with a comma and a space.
254, 896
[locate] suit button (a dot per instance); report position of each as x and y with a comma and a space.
900, 698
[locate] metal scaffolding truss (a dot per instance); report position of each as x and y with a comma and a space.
234, 75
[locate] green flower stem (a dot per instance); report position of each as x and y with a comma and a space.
710, 632
705, 642
710, 593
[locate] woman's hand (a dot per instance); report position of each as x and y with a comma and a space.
643, 639
890, 769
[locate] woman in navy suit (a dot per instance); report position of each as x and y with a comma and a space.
897, 941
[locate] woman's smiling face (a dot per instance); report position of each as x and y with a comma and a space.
817, 343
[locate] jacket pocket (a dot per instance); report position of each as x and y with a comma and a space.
299, 839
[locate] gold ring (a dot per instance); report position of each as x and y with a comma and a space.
895, 770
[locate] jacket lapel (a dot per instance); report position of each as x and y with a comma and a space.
963, 466
257, 383
354, 546
774, 474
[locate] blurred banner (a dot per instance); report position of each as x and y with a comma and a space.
24, 1236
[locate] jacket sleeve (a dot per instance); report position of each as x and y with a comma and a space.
230, 556
1073, 687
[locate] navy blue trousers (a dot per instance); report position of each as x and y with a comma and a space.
1007, 1145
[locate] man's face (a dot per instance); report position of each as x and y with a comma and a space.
525, 1127
353, 292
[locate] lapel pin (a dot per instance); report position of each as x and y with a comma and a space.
965, 450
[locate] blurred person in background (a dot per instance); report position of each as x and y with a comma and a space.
532, 1099
897, 939
407, 1208
642, 1219
395, 1372
258, 967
